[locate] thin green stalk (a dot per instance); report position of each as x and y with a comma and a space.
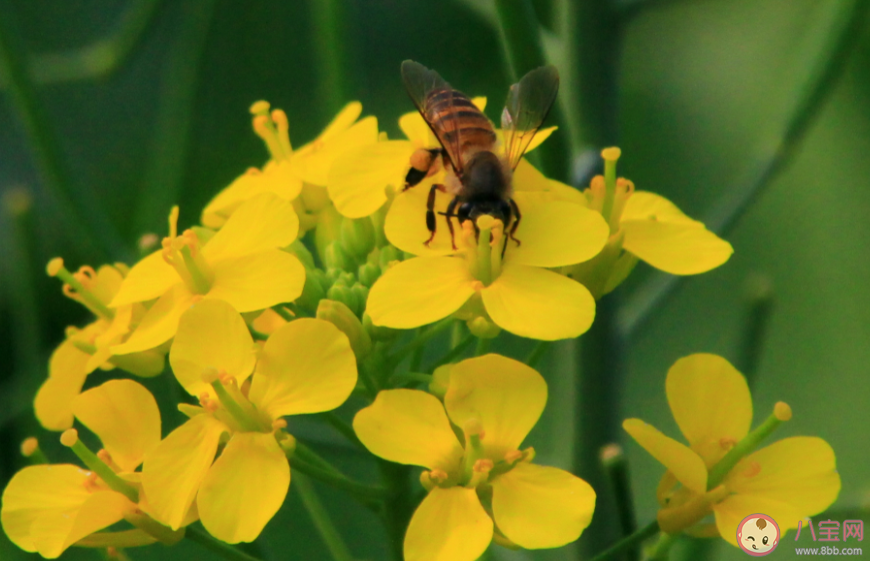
452, 353
257, 335
85, 219
281, 311
175, 116
482, 346
226, 551
541, 348
341, 426
330, 21
630, 542
330, 534
810, 96
366, 494
754, 334
399, 505
521, 38
419, 341
616, 468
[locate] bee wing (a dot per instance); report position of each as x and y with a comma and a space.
421, 83
528, 103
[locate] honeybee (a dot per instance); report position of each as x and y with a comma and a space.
478, 178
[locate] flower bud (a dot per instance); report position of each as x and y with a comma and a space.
483, 328
440, 381
335, 257
362, 294
388, 255
368, 273
357, 236
316, 282
328, 230
338, 314
298, 249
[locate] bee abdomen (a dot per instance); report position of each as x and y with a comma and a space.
452, 113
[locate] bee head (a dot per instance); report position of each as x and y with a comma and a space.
497, 208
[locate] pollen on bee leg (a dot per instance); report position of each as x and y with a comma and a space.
421, 159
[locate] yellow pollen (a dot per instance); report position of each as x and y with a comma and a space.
612, 153
29, 446
69, 437
753, 470
90, 483
727, 443
260, 107
782, 411
513, 456
54, 266
625, 184
279, 424
438, 475
597, 183
483, 466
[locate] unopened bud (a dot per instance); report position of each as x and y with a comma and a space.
440, 381
357, 236
298, 249
482, 328
335, 257
341, 316
387, 256
368, 273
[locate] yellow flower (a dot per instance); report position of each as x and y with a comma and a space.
515, 291
488, 488
48, 508
289, 173
86, 349
241, 264
643, 226
306, 366
359, 179
719, 471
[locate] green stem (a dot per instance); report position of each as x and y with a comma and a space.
662, 548
538, 353
616, 468
420, 341
203, 538
104, 472
482, 346
257, 335
366, 494
629, 542
809, 99
321, 519
749, 443
91, 301
234, 408
281, 311
521, 38
452, 353
330, 22
754, 333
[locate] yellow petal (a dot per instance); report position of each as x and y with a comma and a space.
359, 178
644, 205
211, 334
262, 223
540, 507
537, 140
175, 469
710, 402
108, 283
538, 304
419, 291
342, 121
528, 178
409, 427
686, 465
244, 488
125, 417
449, 525
276, 177
37, 491
259, 280
676, 248
788, 480
555, 233
405, 225
148, 279
54, 532
562, 192
417, 131
111, 336
312, 163
505, 395
66, 376
160, 323
306, 366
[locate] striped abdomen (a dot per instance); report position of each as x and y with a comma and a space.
459, 123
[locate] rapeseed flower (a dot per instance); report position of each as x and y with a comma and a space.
485, 488
48, 508
502, 281
645, 226
306, 366
719, 472
241, 264
289, 173
86, 349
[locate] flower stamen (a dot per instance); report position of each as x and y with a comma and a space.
75, 289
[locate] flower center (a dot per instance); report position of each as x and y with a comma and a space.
609, 194
243, 414
184, 254
79, 287
483, 251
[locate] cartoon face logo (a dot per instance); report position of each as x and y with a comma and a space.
758, 534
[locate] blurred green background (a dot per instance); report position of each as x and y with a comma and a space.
112, 111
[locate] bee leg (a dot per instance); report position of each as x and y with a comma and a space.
430, 211
422, 166
516, 223
451, 208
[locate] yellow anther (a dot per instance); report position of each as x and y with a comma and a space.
727, 443
438, 475
483, 466
611, 154
753, 470
513, 456
279, 424
69, 437
148, 242
782, 411
29, 446
54, 266
260, 107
